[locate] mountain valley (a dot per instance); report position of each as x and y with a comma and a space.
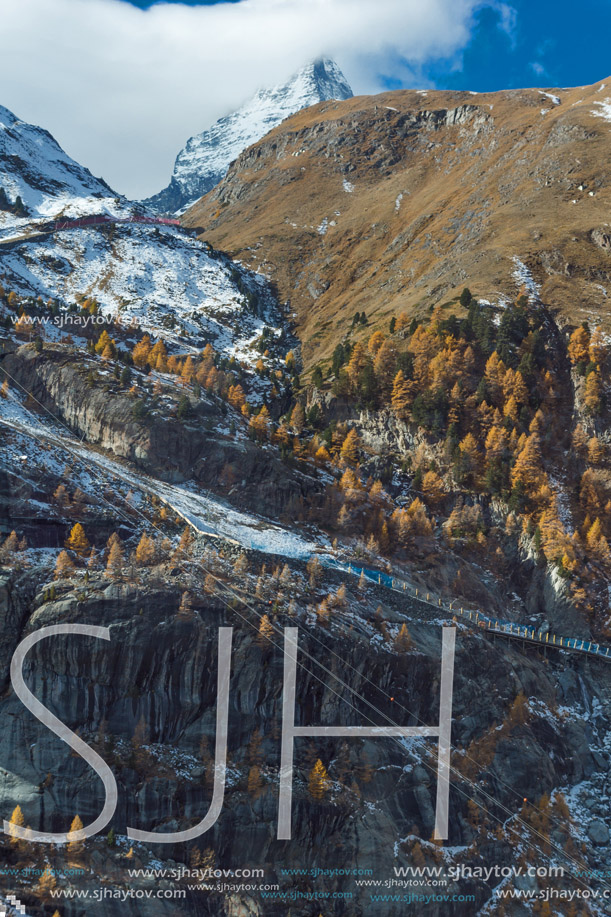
362, 391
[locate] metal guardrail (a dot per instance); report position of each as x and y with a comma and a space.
498, 626
41, 229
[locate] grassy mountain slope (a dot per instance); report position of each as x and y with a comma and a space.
395, 202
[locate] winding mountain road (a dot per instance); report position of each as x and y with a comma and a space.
208, 515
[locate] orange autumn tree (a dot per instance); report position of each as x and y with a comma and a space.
598, 350
141, 351
527, 470
579, 345
593, 393
77, 541
350, 448
260, 424
400, 398
385, 367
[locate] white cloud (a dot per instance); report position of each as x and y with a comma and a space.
122, 89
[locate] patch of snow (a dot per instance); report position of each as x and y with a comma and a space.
203, 511
322, 229
348, 186
605, 111
549, 95
398, 202
544, 111
390, 108
179, 762
562, 505
523, 277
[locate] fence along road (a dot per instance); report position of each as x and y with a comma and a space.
498, 626
508, 629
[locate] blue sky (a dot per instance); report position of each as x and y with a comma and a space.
157, 73
556, 43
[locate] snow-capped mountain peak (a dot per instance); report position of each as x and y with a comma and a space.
204, 160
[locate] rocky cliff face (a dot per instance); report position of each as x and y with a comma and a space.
198, 450
160, 669
206, 157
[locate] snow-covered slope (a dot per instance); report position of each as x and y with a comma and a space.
206, 157
158, 278
34, 167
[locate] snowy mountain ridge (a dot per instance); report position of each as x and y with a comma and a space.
204, 160
36, 169
154, 277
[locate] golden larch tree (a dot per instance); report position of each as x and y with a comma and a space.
469, 454
188, 371
266, 631
11, 544
579, 345
145, 552
375, 342
114, 565
527, 469
63, 566
432, 487
297, 421
18, 821
596, 451
102, 342
46, 882
599, 350
75, 845
593, 393
400, 397
140, 353
350, 448
358, 361
403, 640
77, 541
385, 366
494, 375
318, 781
